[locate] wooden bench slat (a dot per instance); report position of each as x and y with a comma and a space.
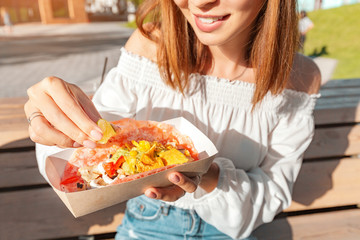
340, 92
12, 114
337, 225
337, 102
19, 169
40, 214
325, 184
15, 139
337, 116
334, 141
342, 83
13, 124
12, 102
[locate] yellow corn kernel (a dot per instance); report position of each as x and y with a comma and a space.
133, 153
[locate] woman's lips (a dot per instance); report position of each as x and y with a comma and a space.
209, 23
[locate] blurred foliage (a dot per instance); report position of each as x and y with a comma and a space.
131, 24
136, 2
337, 35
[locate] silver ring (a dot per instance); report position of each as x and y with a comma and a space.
34, 115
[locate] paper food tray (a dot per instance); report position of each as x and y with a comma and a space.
88, 201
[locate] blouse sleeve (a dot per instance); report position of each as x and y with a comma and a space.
244, 200
114, 100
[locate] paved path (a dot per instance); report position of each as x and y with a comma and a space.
73, 52
327, 67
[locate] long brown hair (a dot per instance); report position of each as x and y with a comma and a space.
271, 49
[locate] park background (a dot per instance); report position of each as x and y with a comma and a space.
333, 43
80, 43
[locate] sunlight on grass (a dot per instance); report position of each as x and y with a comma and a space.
337, 35
131, 24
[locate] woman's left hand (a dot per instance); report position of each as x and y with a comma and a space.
184, 184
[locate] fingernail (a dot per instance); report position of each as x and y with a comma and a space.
76, 145
89, 144
96, 135
151, 194
175, 178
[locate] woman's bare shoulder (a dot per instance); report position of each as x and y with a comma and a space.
306, 76
141, 45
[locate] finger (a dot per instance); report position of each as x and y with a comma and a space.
182, 185
29, 110
63, 95
169, 194
87, 105
42, 132
184, 182
62, 122
38, 139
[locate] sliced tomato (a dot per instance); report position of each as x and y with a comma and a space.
111, 168
70, 180
119, 162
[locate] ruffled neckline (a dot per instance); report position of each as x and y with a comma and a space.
220, 80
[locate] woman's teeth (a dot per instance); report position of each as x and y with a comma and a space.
209, 19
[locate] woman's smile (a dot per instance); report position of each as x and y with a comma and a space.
217, 23
209, 23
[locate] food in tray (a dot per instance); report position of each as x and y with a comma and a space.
131, 149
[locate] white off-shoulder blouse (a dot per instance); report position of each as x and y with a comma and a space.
260, 152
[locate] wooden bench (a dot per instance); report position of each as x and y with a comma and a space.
325, 198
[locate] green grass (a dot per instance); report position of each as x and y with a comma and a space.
131, 24
338, 31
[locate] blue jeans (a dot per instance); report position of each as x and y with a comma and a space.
149, 219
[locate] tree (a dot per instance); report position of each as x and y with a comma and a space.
121, 6
136, 3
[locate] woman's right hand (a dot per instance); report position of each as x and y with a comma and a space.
61, 114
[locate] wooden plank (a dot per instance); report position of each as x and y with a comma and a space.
15, 139
19, 169
339, 92
324, 184
342, 83
11, 113
13, 102
337, 225
337, 102
337, 109
13, 124
12, 108
338, 115
40, 214
335, 141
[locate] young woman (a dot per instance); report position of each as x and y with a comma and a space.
305, 25
229, 67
